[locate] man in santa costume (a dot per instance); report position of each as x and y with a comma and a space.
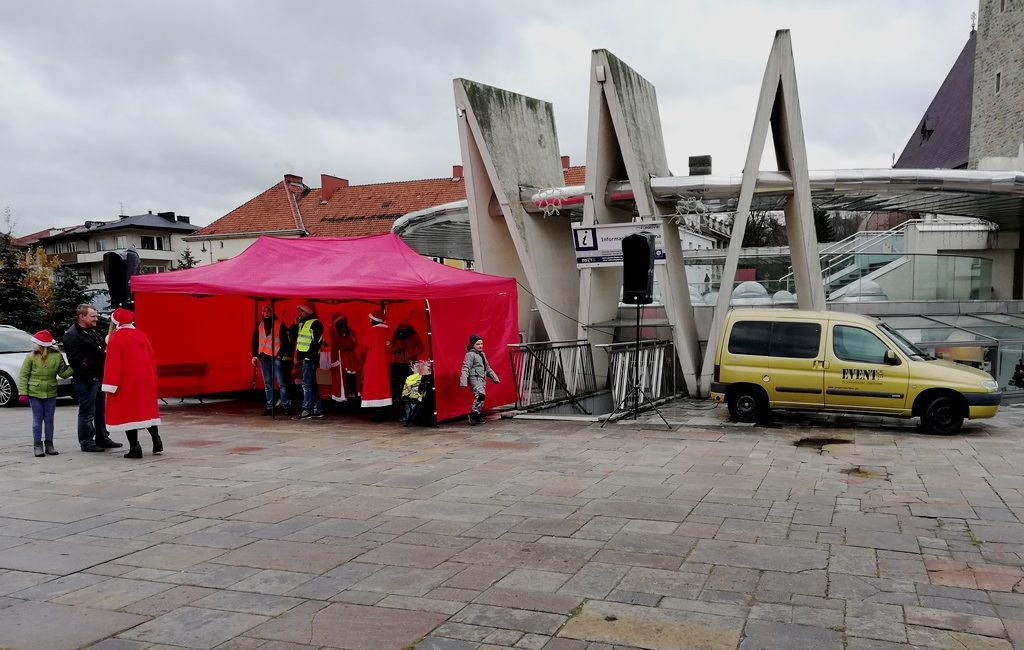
129, 379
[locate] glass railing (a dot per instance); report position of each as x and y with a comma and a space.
868, 277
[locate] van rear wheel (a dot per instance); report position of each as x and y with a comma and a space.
747, 404
942, 416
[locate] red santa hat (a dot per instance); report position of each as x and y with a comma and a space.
43, 338
122, 316
376, 317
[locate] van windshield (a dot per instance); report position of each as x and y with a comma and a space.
902, 343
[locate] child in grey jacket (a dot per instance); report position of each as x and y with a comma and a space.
475, 371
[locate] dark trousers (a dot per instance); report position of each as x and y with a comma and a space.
92, 411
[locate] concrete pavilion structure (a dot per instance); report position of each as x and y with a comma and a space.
510, 154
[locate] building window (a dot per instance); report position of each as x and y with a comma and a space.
65, 247
122, 241
101, 245
153, 269
153, 243
999, 81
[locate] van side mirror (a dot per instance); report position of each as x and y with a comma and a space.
891, 358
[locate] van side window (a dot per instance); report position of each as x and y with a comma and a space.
750, 337
856, 344
779, 339
796, 340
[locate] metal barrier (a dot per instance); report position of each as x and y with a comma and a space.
553, 372
657, 369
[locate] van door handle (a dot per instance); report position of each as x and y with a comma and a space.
818, 363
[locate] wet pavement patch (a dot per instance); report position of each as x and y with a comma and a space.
819, 443
865, 472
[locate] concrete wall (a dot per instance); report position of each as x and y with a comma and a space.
997, 118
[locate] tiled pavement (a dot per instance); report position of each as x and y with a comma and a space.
340, 533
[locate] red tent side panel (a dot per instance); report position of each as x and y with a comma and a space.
453, 320
202, 344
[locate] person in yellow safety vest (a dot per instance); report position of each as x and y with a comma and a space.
307, 352
270, 347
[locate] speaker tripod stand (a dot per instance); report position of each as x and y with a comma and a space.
636, 391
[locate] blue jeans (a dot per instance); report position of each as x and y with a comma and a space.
92, 411
42, 412
310, 390
268, 385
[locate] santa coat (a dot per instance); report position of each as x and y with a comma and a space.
129, 379
377, 368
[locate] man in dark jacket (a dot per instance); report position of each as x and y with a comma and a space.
307, 353
86, 352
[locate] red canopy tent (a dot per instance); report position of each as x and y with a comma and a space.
200, 320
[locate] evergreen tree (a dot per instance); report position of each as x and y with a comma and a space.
823, 226
19, 305
69, 291
185, 260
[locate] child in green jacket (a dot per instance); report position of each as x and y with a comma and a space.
39, 381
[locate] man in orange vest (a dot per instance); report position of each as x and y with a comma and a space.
269, 348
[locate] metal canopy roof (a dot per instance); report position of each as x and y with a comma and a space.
994, 196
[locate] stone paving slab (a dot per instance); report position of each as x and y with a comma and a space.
46, 626
353, 627
649, 627
256, 535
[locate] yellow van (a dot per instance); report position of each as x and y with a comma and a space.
832, 361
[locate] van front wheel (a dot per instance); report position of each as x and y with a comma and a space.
942, 416
747, 404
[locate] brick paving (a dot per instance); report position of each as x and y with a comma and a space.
341, 533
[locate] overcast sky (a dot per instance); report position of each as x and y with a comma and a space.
123, 106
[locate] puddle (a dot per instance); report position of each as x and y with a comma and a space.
863, 472
818, 443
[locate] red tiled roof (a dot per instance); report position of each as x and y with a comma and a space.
28, 240
352, 211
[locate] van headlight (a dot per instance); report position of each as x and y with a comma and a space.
990, 384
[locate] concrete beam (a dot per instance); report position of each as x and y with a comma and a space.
778, 109
509, 142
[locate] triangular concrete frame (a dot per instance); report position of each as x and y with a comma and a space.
778, 108
624, 129
508, 143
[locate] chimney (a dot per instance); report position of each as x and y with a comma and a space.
183, 219
456, 172
700, 165
329, 185
292, 179
565, 162
165, 215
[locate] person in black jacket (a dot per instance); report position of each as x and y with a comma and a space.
86, 352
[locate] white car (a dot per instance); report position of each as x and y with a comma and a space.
15, 344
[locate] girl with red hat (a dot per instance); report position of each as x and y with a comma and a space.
129, 379
38, 381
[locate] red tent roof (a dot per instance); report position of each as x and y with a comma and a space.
372, 268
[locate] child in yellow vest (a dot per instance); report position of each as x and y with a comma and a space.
412, 393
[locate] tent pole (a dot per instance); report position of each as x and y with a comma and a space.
273, 360
256, 311
430, 351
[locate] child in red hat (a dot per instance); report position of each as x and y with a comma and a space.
38, 381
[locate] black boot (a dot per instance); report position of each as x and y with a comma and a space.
50, 451
134, 448
39, 449
158, 444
